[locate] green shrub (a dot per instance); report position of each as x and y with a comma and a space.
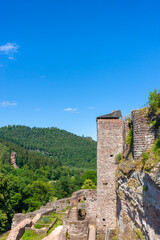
129, 137
154, 100
145, 157
139, 233
156, 147
118, 157
38, 226
88, 184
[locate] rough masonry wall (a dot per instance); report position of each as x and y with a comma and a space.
143, 133
91, 205
110, 143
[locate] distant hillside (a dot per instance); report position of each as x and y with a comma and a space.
25, 157
69, 148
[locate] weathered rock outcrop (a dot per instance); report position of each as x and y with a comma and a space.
13, 159
138, 205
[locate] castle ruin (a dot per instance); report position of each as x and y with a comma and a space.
126, 207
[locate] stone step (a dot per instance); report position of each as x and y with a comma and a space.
73, 214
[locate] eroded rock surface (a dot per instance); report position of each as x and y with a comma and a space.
13, 159
138, 206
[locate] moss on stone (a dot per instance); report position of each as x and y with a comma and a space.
126, 218
133, 184
121, 195
139, 233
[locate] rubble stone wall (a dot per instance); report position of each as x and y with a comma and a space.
91, 205
143, 133
110, 143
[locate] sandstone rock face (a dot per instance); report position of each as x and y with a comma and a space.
138, 208
13, 159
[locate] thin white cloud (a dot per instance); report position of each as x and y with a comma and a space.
70, 109
91, 108
11, 58
7, 104
9, 48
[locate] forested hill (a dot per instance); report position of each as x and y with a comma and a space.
69, 148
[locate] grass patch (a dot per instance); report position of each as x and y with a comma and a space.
65, 209
57, 223
44, 222
4, 236
58, 215
31, 235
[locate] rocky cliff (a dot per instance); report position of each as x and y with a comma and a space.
138, 203
138, 182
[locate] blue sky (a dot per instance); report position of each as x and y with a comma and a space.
63, 63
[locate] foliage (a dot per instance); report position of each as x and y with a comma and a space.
88, 184
150, 158
40, 179
4, 236
129, 137
156, 147
145, 157
39, 193
31, 235
154, 110
154, 100
41, 176
91, 174
70, 149
10, 200
139, 233
118, 157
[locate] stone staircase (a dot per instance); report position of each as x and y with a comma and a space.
73, 214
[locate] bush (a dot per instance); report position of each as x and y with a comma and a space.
156, 147
145, 157
88, 184
118, 157
154, 100
129, 136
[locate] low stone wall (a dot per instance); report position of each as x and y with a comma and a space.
17, 232
91, 205
18, 217
61, 204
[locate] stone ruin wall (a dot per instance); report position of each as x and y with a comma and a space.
110, 143
73, 225
78, 229
143, 133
